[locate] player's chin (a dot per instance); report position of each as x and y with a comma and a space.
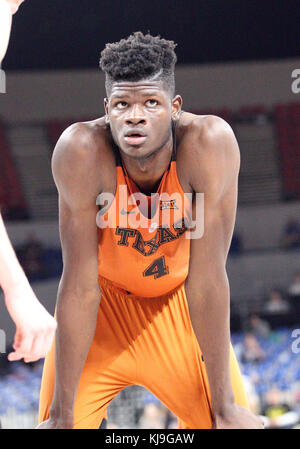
137, 150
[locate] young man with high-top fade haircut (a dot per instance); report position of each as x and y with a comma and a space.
143, 298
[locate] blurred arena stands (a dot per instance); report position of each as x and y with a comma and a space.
287, 122
12, 199
135, 407
264, 256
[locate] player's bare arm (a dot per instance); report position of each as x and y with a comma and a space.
215, 154
35, 327
75, 165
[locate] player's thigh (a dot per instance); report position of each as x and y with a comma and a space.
109, 367
237, 387
169, 360
179, 382
171, 363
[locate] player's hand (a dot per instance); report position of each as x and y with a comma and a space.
237, 417
53, 424
14, 5
35, 327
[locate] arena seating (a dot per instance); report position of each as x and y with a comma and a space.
56, 127
225, 113
29, 147
12, 199
281, 366
287, 122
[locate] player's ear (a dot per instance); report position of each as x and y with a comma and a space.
176, 107
106, 110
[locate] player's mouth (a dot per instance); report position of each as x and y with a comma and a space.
135, 137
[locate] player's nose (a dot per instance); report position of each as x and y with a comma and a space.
135, 115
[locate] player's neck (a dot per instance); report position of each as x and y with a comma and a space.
147, 172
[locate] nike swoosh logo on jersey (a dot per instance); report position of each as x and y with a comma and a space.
127, 212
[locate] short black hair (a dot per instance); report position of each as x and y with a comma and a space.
140, 56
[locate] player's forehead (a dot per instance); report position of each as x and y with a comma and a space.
143, 87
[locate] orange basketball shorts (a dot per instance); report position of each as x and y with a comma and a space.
148, 342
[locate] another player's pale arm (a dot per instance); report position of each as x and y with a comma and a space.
35, 327
14, 5
7, 9
207, 285
79, 293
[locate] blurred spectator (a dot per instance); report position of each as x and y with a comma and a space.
276, 303
294, 288
291, 235
252, 352
14, 211
236, 246
153, 417
171, 420
112, 425
294, 294
32, 246
277, 412
259, 327
30, 255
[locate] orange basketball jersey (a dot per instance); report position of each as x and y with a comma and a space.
143, 244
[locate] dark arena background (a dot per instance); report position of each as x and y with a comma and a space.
239, 60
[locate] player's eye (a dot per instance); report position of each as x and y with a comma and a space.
151, 103
121, 105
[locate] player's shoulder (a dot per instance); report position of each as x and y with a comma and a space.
208, 133
207, 141
83, 158
84, 147
84, 139
208, 150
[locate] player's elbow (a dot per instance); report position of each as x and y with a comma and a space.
81, 292
213, 289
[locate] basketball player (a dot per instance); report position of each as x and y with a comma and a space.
163, 318
35, 327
